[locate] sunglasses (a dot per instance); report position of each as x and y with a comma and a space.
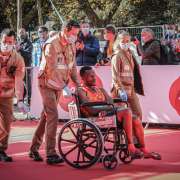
41, 31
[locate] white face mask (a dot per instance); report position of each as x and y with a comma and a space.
124, 46
85, 31
72, 39
6, 48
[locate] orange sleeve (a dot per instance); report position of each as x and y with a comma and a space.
116, 70
50, 56
19, 76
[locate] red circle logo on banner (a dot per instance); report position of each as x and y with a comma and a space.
174, 95
64, 101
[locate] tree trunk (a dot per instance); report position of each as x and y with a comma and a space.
19, 14
39, 8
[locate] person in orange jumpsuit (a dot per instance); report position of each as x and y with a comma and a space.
126, 82
89, 92
12, 70
57, 66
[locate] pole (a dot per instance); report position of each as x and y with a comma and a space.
57, 12
19, 15
40, 18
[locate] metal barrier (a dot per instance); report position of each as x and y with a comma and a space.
159, 31
27, 93
136, 31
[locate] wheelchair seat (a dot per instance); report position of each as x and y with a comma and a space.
110, 119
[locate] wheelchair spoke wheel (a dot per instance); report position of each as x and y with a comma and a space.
110, 162
125, 157
80, 143
110, 141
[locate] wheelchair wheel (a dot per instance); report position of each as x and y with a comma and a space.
80, 143
125, 157
109, 136
110, 162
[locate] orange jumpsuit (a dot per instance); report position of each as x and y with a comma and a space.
124, 77
56, 68
12, 70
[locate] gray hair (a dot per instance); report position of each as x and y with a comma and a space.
119, 38
149, 30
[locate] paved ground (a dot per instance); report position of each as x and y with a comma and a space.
164, 141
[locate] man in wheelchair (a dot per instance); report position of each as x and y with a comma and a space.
89, 92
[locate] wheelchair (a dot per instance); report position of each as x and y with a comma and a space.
84, 141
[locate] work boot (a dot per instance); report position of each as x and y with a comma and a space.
4, 157
54, 159
35, 156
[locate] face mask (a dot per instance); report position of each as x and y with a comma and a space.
72, 39
22, 37
6, 48
124, 46
85, 31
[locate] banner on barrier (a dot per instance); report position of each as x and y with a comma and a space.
161, 103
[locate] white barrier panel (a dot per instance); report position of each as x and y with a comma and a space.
161, 103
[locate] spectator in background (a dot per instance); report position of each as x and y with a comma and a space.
24, 47
150, 50
169, 32
133, 47
52, 33
104, 58
177, 51
38, 45
87, 46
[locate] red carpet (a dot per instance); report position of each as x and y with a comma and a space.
167, 144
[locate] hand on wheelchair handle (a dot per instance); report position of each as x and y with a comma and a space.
123, 95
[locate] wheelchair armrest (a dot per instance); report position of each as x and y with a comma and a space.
118, 100
89, 104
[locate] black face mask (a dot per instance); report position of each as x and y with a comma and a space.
23, 37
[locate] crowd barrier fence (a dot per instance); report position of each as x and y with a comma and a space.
161, 103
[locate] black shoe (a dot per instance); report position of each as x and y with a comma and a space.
35, 156
54, 159
4, 157
137, 155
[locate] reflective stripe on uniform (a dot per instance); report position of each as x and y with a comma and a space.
62, 66
53, 83
126, 74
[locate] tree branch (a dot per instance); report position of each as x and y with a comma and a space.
86, 7
113, 10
